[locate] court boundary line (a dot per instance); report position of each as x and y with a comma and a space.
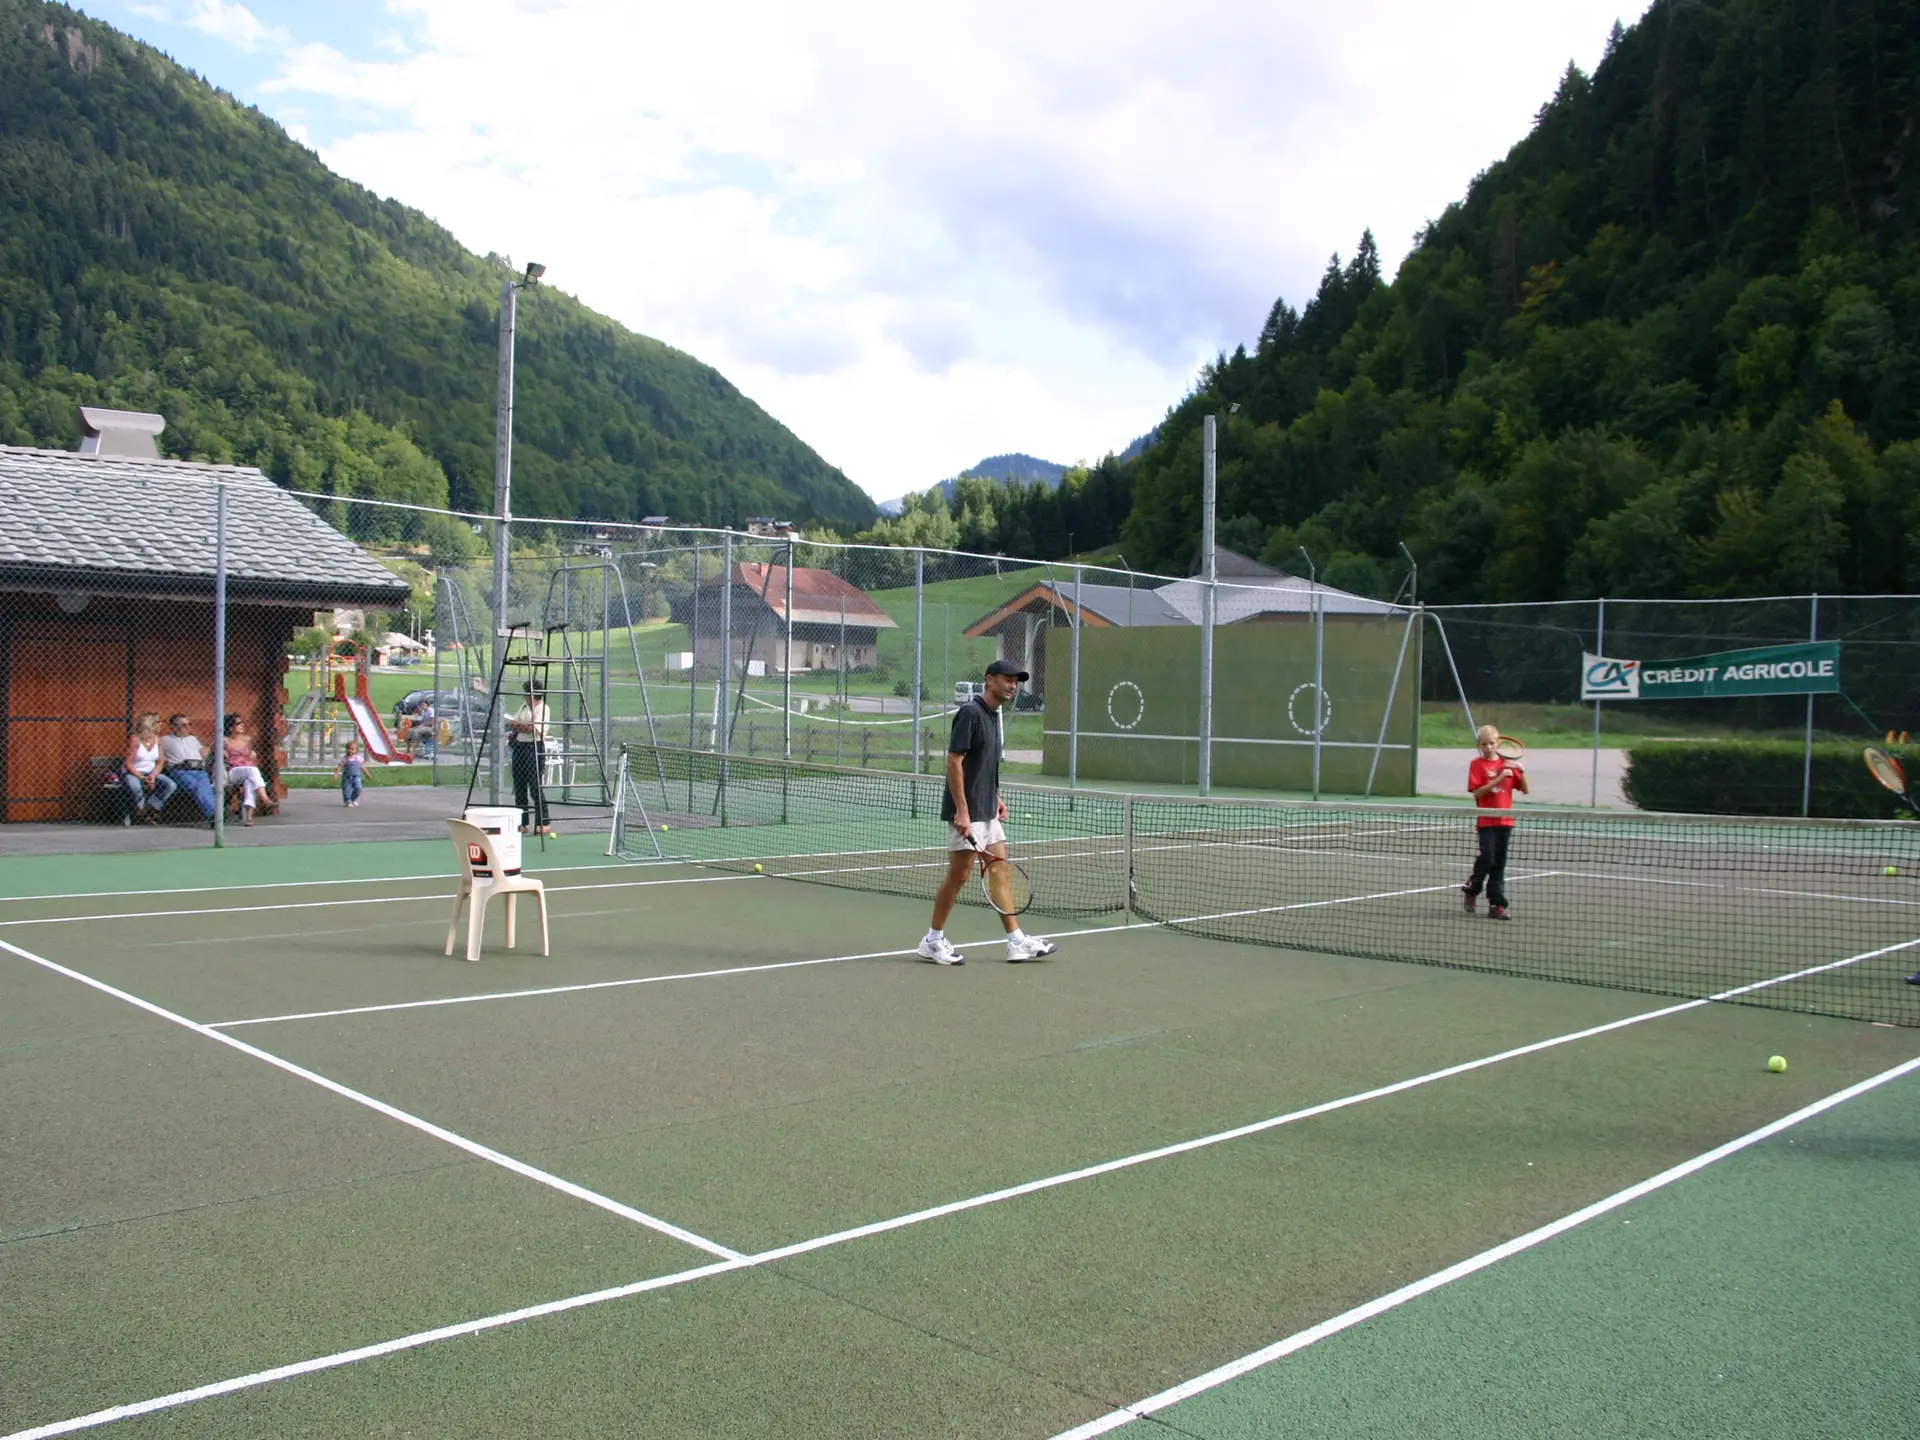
1313, 1334
545, 990
392, 1112
418, 1339
441, 898
284, 884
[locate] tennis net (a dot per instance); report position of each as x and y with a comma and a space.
1819, 916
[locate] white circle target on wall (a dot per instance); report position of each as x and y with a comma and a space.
1295, 708
1134, 699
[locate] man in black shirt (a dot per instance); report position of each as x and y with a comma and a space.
973, 810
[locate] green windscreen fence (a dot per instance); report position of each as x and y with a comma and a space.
1139, 703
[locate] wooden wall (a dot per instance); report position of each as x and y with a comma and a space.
72, 685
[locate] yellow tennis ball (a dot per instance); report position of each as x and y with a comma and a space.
1891, 870
756, 867
1777, 1064
1026, 817
665, 828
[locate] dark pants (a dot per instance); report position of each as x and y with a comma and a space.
527, 793
1490, 866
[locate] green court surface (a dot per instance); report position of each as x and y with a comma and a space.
730, 1162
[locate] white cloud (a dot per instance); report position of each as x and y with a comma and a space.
230, 22
917, 237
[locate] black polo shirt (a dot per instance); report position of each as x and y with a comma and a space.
976, 739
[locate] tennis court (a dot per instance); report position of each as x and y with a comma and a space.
730, 1162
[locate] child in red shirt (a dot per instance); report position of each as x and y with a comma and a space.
1491, 781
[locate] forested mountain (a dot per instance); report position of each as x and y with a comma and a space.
164, 248
1669, 345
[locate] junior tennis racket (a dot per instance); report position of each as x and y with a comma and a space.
1884, 768
1508, 748
1004, 882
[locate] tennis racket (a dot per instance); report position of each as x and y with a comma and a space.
1508, 748
1884, 768
1004, 882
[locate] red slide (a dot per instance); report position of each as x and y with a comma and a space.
373, 735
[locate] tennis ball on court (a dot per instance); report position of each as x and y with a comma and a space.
756, 869
665, 828
1026, 817
1891, 870
1777, 1064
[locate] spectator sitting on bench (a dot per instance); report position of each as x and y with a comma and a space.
242, 771
186, 762
143, 771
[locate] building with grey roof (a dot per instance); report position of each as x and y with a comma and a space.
107, 575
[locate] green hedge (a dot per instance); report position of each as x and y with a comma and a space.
1760, 777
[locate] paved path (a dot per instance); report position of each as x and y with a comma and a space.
1558, 777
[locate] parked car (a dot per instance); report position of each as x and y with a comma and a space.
965, 690
462, 710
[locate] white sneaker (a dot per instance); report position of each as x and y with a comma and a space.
1028, 947
939, 949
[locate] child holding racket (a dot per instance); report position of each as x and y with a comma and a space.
973, 810
1492, 778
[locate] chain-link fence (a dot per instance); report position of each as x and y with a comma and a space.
369, 643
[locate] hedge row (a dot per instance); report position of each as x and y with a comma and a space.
1761, 777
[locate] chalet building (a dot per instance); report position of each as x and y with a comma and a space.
833, 625
107, 562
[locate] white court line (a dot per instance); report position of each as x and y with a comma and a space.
426, 1127
794, 964
298, 884
371, 900
840, 1237
1233, 1370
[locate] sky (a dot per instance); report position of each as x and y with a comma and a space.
916, 235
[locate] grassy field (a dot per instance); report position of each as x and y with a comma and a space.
1570, 727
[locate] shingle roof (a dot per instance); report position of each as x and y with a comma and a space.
1120, 605
133, 526
819, 596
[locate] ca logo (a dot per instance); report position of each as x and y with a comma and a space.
1611, 678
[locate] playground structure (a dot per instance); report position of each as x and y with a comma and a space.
326, 716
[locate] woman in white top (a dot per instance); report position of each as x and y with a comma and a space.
143, 771
528, 735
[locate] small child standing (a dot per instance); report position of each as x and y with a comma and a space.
349, 773
1491, 781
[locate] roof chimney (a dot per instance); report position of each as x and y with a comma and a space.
120, 432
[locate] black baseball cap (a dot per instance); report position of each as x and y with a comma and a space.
1006, 667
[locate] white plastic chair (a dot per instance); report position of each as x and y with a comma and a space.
481, 878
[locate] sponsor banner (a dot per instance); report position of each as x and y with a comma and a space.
1808, 669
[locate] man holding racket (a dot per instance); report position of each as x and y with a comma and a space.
1491, 780
973, 810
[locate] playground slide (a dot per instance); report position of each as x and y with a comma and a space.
373, 734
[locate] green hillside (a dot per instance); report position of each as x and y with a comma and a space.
165, 248
1670, 345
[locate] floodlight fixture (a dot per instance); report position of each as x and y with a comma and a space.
534, 272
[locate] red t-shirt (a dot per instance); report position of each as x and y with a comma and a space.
1497, 799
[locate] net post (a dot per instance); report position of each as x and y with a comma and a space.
919, 647
617, 832
1126, 827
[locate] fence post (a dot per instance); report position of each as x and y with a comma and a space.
1806, 768
437, 582
919, 637
1599, 648
722, 713
1208, 584
1073, 709
786, 667
218, 774
1319, 682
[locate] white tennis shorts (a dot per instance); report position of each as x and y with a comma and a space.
983, 833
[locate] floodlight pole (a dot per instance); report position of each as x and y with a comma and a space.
217, 772
1208, 584
502, 517
503, 503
